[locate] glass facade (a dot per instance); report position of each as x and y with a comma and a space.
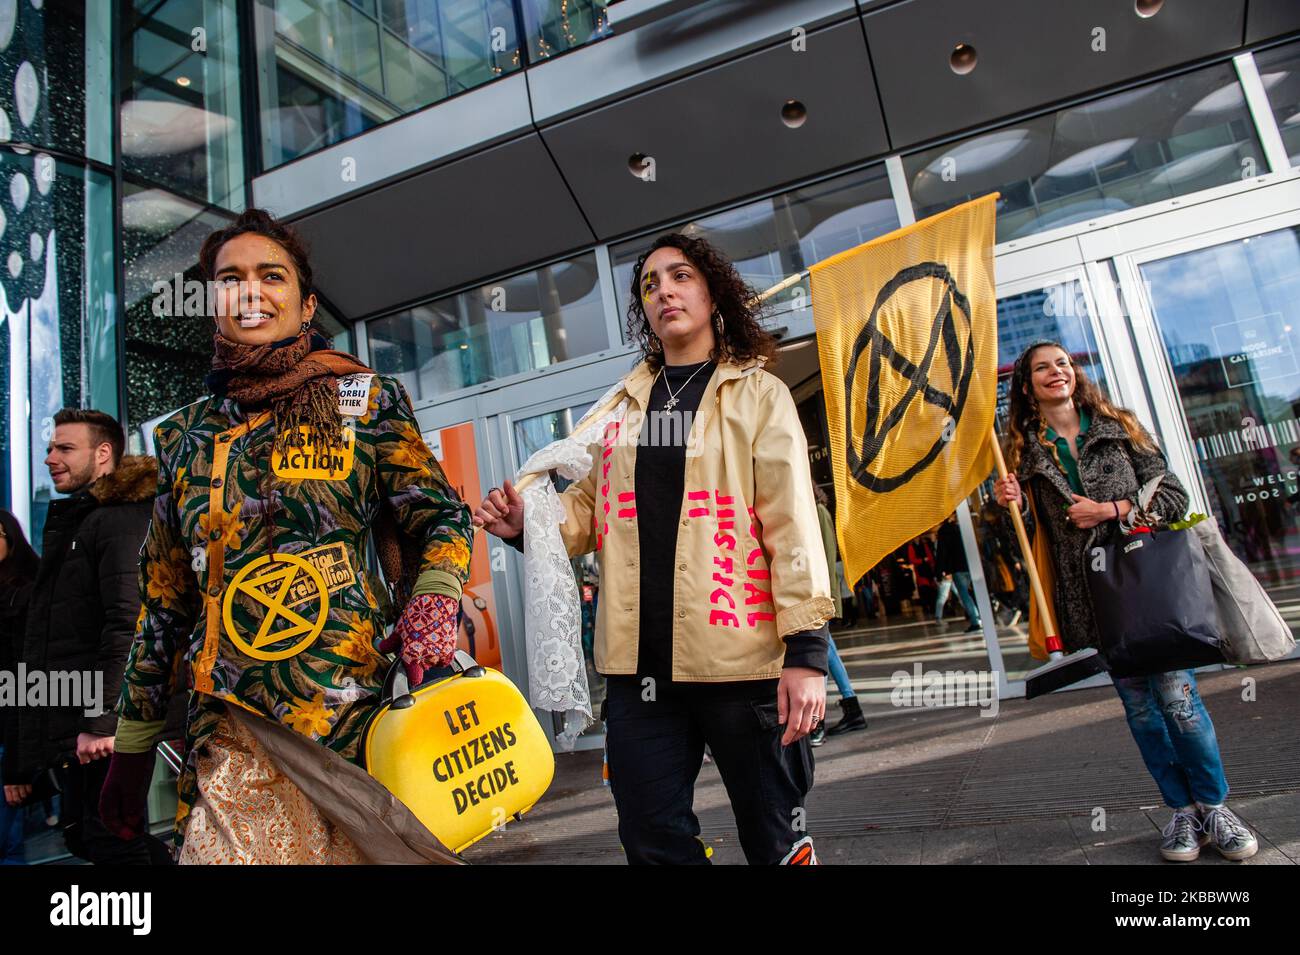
505, 328
181, 119
168, 344
1144, 145
1279, 71
557, 26
331, 70
774, 238
1230, 325
55, 75
58, 306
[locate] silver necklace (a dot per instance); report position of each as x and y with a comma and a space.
672, 395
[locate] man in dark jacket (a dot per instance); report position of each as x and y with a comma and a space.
81, 620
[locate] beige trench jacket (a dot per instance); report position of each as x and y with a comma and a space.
749, 567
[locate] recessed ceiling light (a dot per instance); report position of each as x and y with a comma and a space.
641, 166
794, 113
1147, 8
182, 81
962, 59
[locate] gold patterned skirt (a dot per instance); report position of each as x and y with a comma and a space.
249, 813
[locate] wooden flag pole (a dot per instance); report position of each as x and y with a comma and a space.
1054, 646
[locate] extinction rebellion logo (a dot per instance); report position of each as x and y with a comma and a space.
949, 326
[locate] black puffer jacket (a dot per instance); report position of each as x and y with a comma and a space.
1111, 468
84, 604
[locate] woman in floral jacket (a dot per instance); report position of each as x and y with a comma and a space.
252, 580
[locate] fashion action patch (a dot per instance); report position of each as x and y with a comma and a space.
303, 460
354, 395
280, 584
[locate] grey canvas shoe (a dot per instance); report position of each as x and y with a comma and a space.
1183, 837
1228, 834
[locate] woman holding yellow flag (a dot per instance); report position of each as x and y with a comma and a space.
1083, 461
715, 595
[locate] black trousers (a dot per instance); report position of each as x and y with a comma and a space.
85, 835
655, 744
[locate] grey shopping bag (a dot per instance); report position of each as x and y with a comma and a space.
1251, 627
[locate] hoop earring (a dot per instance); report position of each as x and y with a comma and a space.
655, 344
719, 328
302, 329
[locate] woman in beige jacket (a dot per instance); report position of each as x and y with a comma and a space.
711, 627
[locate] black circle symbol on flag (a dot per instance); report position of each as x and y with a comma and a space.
878, 348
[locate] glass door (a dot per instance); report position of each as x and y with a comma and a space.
1221, 342
1062, 306
515, 436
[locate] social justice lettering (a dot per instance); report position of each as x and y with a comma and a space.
462, 762
731, 564
601, 520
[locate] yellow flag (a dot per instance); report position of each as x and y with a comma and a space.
907, 333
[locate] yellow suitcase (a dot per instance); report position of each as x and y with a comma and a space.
465, 753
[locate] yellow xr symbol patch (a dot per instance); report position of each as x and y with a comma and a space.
292, 582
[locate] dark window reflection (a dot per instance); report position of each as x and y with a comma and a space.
1119, 152
505, 328
181, 115
168, 337
556, 26
1279, 71
331, 70
773, 238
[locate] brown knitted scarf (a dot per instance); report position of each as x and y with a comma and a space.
298, 382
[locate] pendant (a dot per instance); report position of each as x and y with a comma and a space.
671, 403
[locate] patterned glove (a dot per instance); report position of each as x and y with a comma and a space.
426, 635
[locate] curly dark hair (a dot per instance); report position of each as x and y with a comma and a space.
742, 338
259, 222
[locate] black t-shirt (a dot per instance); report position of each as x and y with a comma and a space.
660, 488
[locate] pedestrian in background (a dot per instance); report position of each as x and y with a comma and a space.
18, 564
851, 710
81, 618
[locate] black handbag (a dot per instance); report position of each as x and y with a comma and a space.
1153, 603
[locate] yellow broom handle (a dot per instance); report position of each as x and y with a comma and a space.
1036, 585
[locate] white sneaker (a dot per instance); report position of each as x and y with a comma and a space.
1225, 830
1183, 836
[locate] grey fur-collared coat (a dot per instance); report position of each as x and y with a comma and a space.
1110, 469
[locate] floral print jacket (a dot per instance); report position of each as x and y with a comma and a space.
252, 575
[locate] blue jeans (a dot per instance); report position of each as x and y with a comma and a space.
961, 580
1175, 736
838, 673
11, 831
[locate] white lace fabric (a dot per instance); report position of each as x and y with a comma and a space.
557, 677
